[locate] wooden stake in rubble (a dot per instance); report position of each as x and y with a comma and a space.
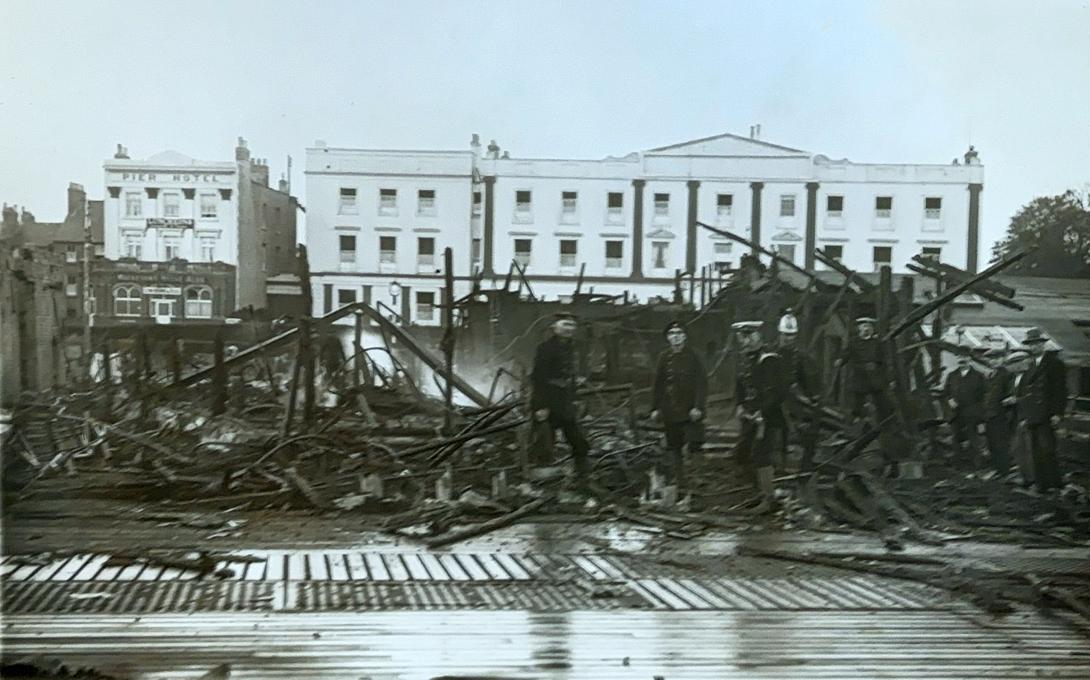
219, 377
448, 339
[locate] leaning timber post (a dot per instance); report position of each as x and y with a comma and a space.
309, 367
703, 286
677, 287
219, 377
692, 287
107, 378
934, 353
358, 360
293, 388
884, 299
175, 359
448, 339
140, 375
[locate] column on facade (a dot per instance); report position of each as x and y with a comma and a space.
190, 247
489, 225
637, 228
111, 218
151, 236
811, 223
690, 236
974, 226
755, 215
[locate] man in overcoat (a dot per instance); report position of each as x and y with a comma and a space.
759, 392
553, 382
678, 398
964, 390
1041, 394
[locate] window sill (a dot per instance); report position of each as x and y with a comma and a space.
426, 213
344, 211
522, 218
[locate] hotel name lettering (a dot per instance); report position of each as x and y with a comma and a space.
178, 177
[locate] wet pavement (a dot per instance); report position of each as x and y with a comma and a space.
299, 595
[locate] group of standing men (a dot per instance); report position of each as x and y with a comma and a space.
776, 399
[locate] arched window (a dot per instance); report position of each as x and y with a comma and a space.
198, 302
128, 301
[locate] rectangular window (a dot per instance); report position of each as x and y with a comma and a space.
346, 296
387, 249
883, 255
172, 203
724, 205
660, 251
208, 248
883, 206
128, 301
476, 204
71, 287
662, 205
387, 201
172, 247
134, 204
523, 248
425, 306
932, 207
786, 251
614, 254
425, 251
931, 253
787, 205
475, 251
834, 252
722, 248
615, 200
71, 253
348, 248
568, 252
162, 307
425, 202
834, 206
133, 245
209, 205
569, 200
522, 201
348, 201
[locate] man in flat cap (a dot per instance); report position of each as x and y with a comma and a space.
998, 411
964, 390
1041, 393
759, 391
678, 398
553, 381
868, 378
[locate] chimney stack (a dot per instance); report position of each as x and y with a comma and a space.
77, 204
121, 153
260, 168
282, 185
242, 153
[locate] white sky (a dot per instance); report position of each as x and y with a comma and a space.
911, 81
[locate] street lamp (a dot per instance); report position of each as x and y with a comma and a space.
395, 292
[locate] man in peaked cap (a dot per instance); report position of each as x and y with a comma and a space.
553, 380
964, 388
1041, 393
802, 426
868, 378
759, 391
678, 398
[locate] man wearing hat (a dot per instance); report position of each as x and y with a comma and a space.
964, 389
1041, 393
998, 411
868, 375
678, 398
553, 380
759, 391
800, 389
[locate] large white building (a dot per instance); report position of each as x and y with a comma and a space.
172, 207
378, 217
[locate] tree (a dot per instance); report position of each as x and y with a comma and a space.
1059, 226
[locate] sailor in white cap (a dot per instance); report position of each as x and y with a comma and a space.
801, 426
759, 391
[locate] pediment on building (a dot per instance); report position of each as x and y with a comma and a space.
660, 234
786, 236
171, 157
727, 144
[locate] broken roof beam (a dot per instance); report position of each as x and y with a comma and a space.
764, 251
923, 310
958, 275
861, 283
986, 294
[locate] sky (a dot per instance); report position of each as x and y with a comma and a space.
872, 81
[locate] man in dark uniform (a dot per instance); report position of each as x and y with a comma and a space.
998, 410
759, 391
678, 398
868, 375
803, 425
553, 381
964, 389
1041, 393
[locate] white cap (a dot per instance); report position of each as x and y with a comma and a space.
788, 323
